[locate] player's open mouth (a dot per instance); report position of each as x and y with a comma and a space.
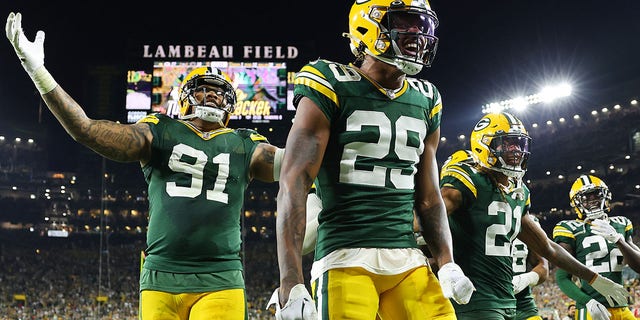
411, 48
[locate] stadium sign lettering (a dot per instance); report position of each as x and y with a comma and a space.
252, 108
219, 52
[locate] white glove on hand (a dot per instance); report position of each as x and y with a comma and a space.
604, 229
30, 53
300, 305
455, 284
610, 290
597, 310
521, 281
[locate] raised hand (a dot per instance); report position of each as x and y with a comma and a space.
31, 54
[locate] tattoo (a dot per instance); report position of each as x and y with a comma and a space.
433, 229
110, 139
266, 155
117, 141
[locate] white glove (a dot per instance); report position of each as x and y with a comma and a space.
604, 229
610, 290
455, 284
300, 305
597, 310
521, 281
31, 54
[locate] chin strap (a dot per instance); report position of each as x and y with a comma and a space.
518, 190
210, 114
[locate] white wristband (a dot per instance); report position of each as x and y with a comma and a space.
531, 277
277, 163
43, 80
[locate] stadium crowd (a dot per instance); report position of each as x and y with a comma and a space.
57, 278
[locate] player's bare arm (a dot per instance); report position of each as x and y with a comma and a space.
305, 148
112, 140
536, 239
630, 252
430, 206
119, 142
262, 162
541, 266
452, 199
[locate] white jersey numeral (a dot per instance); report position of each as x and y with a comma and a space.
196, 171
498, 208
380, 149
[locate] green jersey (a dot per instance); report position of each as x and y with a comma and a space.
525, 304
598, 254
197, 183
483, 229
377, 137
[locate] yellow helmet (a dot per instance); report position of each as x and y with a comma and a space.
460, 156
590, 198
398, 32
496, 132
190, 107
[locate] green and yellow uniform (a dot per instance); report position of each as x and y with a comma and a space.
483, 229
596, 253
366, 180
196, 186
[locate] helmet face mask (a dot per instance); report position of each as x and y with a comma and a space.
590, 198
511, 151
500, 143
200, 92
401, 33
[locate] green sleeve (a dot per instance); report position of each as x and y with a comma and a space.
563, 278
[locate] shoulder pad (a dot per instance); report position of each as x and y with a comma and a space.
251, 134
150, 118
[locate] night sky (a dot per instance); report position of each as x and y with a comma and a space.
489, 50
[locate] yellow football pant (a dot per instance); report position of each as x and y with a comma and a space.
219, 305
622, 313
354, 293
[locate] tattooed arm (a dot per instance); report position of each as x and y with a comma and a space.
305, 149
430, 206
118, 142
262, 162
110, 139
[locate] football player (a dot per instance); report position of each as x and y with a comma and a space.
487, 203
197, 172
526, 308
599, 241
369, 134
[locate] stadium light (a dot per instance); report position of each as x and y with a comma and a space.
546, 95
